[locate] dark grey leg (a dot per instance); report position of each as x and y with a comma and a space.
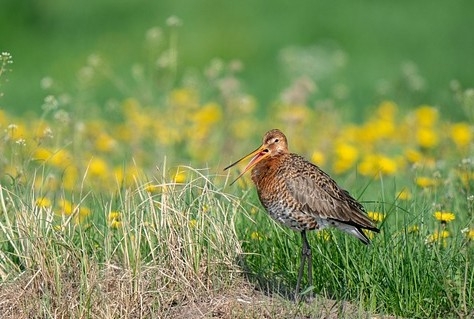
305, 255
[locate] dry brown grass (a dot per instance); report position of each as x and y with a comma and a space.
114, 292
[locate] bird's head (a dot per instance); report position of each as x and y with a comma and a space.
274, 144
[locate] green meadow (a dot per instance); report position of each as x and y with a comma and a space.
117, 119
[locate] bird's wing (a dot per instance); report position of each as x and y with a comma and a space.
320, 195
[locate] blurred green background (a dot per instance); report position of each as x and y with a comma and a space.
54, 38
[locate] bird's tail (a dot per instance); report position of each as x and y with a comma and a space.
357, 232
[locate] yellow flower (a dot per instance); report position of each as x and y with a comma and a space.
404, 194
179, 177
192, 223
437, 236
413, 156
376, 216
60, 158
374, 164
15, 132
115, 219
43, 202
208, 114
461, 134
413, 229
425, 182
470, 234
426, 137
444, 217
256, 236
66, 207
426, 116
324, 235
105, 143
98, 167
152, 189
346, 156
318, 158
42, 154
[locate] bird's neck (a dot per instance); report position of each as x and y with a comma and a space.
266, 169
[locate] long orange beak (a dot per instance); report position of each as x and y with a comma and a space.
259, 154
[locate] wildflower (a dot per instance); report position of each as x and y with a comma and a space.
98, 167
179, 177
404, 194
376, 216
60, 158
444, 217
256, 236
105, 143
425, 182
43, 202
346, 155
461, 134
192, 223
470, 234
318, 158
413, 229
324, 235
151, 188
115, 219
426, 137
437, 236
15, 132
426, 116
66, 207
84, 212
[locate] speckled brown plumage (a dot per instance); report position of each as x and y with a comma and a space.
301, 196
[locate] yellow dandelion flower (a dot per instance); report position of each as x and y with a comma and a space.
98, 167
256, 236
42, 154
387, 110
66, 207
179, 177
152, 188
426, 116
388, 166
208, 114
461, 134
425, 182
253, 211
404, 194
192, 223
426, 137
444, 217
370, 235
413, 229
43, 202
105, 143
324, 235
115, 219
413, 156
60, 158
318, 158
346, 156
437, 236
15, 132
470, 234
376, 216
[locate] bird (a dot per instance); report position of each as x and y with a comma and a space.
300, 195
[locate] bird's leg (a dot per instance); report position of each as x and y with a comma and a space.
305, 255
